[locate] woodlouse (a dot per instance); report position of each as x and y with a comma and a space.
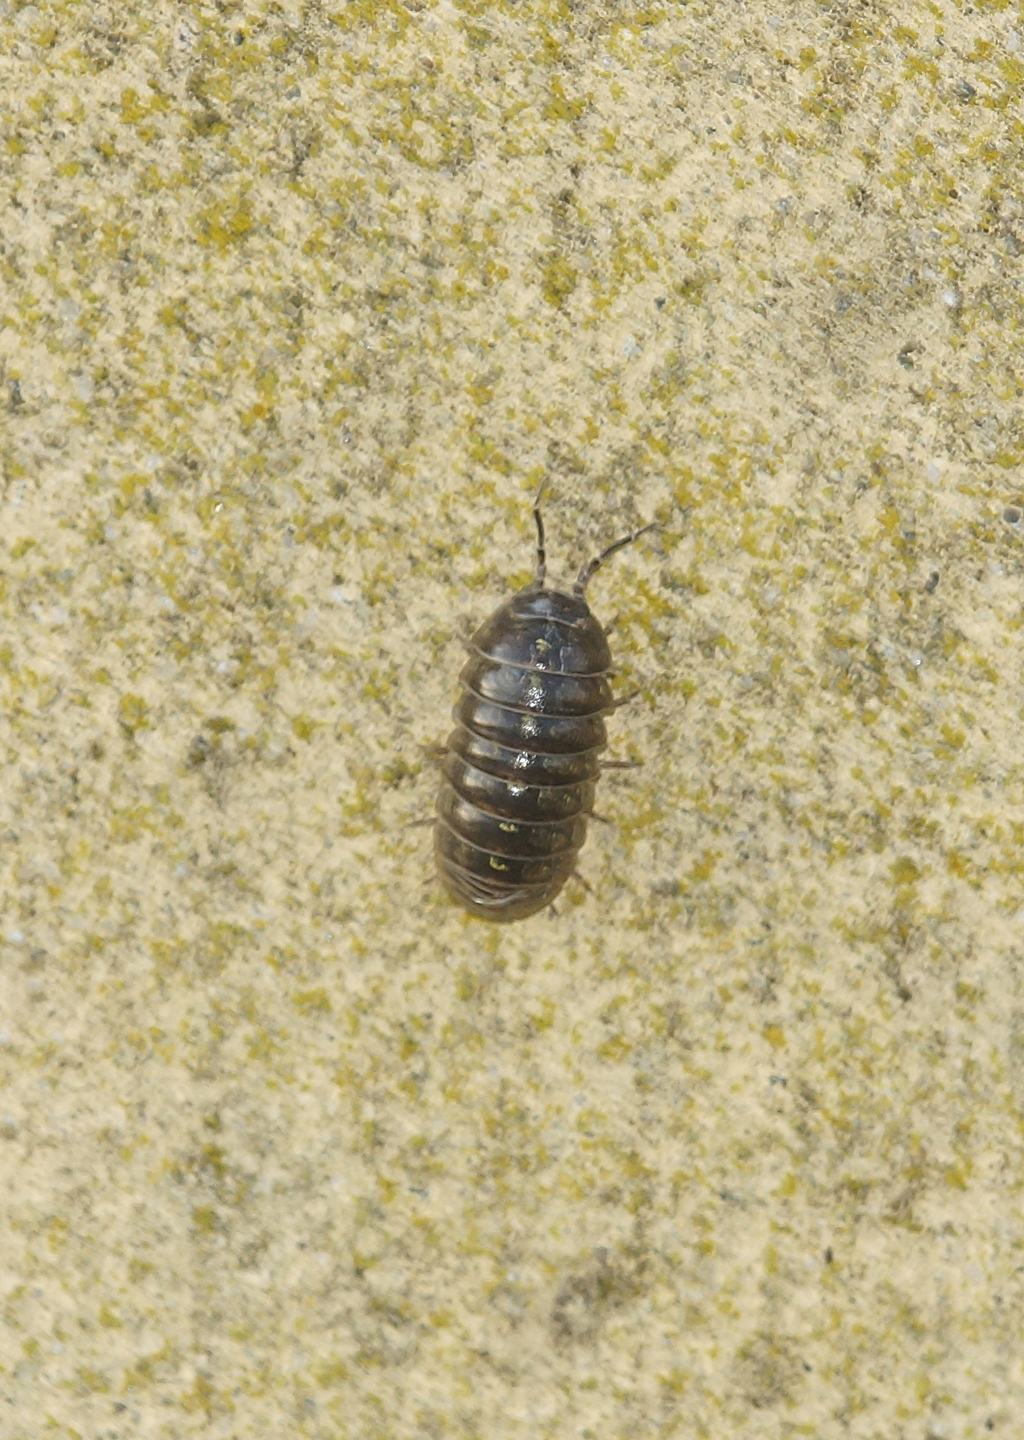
520, 768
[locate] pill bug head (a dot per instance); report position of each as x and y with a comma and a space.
547, 629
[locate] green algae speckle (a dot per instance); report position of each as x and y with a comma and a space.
905, 872
315, 1001
559, 279
133, 714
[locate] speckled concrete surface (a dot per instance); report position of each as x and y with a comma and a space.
297, 303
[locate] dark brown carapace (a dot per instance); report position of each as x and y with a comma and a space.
521, 766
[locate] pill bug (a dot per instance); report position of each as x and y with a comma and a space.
520, 768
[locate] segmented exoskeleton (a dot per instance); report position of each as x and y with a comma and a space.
520, 768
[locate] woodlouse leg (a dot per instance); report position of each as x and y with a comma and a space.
586, 574
625, 699
621, 764
435, 752
580, 880
602, 818
415, 824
